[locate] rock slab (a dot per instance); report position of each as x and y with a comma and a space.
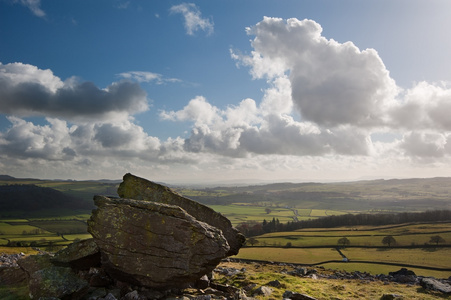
134, 187
154, 244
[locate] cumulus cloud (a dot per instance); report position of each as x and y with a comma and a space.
34, 6
193, 18
26, 90
246, 129
426, 145
425, 106
326, 106
332, 83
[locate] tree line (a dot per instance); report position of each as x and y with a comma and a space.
257, 228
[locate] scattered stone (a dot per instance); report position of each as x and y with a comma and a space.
263, 291
274, 283
134, 187
430, 283
10, 260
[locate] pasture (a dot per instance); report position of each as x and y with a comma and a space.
43, 233
251, 213
413, 248
307, 256
241, 212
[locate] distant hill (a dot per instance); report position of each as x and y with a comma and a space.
6, 177
18, 197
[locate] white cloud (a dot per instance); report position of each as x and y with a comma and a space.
34, 6
425, 106
143, 76
26, 90
332, 83
426, 145
193, 18
326, 107
247, 130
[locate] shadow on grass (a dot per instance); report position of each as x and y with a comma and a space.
429, 249
384, 249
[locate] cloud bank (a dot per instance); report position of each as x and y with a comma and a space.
327, 106
26, 90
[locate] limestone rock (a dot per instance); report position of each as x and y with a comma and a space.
297, 296
134, 187
80, 255
12, 275
58, 282
34, 263
153, 244
433, 284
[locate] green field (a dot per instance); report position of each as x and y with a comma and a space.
239, 213
289, 255
246, 213
42, 232
413, 248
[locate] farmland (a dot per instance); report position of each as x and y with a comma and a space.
365, 251
51, 233
282, 202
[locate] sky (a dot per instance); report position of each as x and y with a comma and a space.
222, 91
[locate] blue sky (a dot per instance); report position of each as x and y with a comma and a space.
211, 91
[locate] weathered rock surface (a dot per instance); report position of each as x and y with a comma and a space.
58, 282
433, 284
134, 187
154, 244
81, 255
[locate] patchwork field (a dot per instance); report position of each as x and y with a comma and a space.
366, 252
43, 232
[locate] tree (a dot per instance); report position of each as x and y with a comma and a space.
436, 239
389, 240
252, 241
344, 241
268, 210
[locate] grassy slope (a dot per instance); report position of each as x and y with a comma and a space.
326, 289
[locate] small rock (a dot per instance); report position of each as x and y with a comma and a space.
110, 297
390, 297
131, 296
263, 291
274, 283
203, 282
296, 296
430, 283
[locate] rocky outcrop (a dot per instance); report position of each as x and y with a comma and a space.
153, 244
134, 187
157, 241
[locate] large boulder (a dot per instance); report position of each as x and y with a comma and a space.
134, 187
154, 244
